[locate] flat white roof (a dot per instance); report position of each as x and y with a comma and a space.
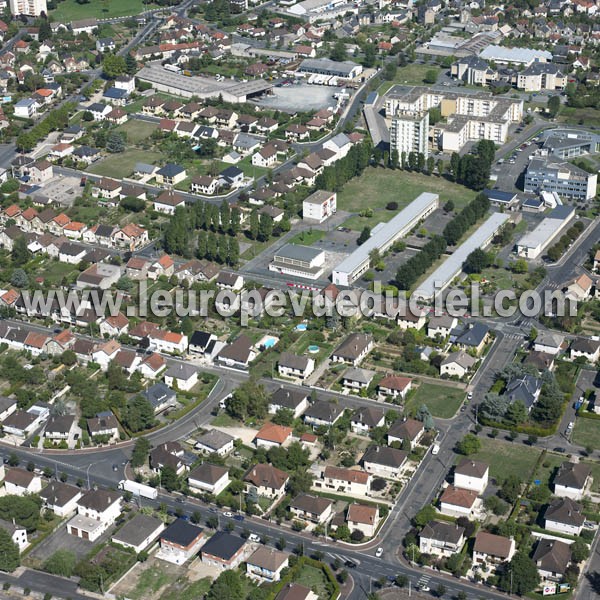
522, 55
386, 232
453, 264
546, 229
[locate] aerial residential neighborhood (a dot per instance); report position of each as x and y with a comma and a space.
299, 300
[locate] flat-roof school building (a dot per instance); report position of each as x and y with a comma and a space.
532, 244
383, 236
298, 261
453, 265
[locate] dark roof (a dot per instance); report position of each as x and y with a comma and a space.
6, 403
353, 346
207, 473
572, 475
136, 530
324, 411
181, 532
159, 393
473, 335
312, 504
215, 439
223, 545
370, 416
406, 429
471, 468
288, 398
566, 511
262, 475
524, 388
293, 591
384, 455
552, 555
585, 345
57, 493
443, 532
170, 170
231, 173
99, 500
200, 338
60, 423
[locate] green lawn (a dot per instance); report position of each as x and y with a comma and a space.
193, 591
595, 475
121, 165
136, 130
314, 579
307, 237
506, 458
377, 186
442, 401
70, 10
548, 467
413, 74
224, 420
587, 432
150, 581
54, 271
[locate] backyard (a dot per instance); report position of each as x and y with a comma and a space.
376, 187
122, 164
587, 432
442, 401
413, 74
71, 10
136, 130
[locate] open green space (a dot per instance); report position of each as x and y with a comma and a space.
307, 237
378, 186
122, 164
595, 466
413, 74
442, 401
578, 116
587, 432
314, 579
136, 130
194, 590
71, 10
506, 458
150, 581
547, 468
54, 271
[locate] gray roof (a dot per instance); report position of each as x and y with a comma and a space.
359, 375
384, 455
293, 361
298, 252
566, 511
288, 398
325, 64
135, 531
572, 475
215, 439
181, 371
452, 266
159, 393
443, 532
552, 555
524, 388
324, 411
386, 232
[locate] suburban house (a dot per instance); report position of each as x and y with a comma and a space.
224, 550
61, 498
168, 202
272, 435
266, 564
168, 454
180, 541
441, 326
295, 591
586, 348
215, 441
474, 337
457, 363
457, 502
288, 399
552, 557
265, 480
311, 508
564, 515
405, 429
363, 518
207, 478
356, 379
548, 342
384, 461
353, 349
97, 510
239, 354
292, 365
471, 475
365, 419
181, 376
492, 549
441, 538
395, 386
161, 397
322, 413
18, 482
572, 480
104, 424
138, 533
346, 481
201, 343
17, 534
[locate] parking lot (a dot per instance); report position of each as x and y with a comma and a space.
300, 97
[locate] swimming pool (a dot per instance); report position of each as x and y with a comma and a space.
301, 327
267, 342
312, 349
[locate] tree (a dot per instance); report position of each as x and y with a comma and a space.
553, 106
580, 551
430, 76
113, 66
496, 505
365, 234
440, 590
401, 581
338, 52
477, 261
19, 278
227, 585
521, 576
140, 452
115, 142
426, 514
254, 225
25, 510
248, 400
138, 414
470, 444
20, 253
370, 55
168, 478
130, 64
62, 563
510, 489
9, 552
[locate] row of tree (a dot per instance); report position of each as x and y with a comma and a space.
473, 170
468, 216
56, 119
352, 165
218, 248
416, 265
558, 249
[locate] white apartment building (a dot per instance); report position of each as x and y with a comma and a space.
31, 8
409, 132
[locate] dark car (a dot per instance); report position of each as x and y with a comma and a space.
180, 500
115, 467
350, 564
238, 517
560, 449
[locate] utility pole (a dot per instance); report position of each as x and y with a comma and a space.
409, 587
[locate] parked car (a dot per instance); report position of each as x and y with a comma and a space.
254, 538
228, 514
379, 552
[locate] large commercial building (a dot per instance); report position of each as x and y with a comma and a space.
550, 175
31, 8
383, 237
469, 116
503, 55
532, 244
324, 66
453, 265
409, 132
298, 261
569, 143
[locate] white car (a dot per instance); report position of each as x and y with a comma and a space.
379, 552
228, 514
469, 395
435, 449
254, 538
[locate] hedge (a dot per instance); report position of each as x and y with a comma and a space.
293, 573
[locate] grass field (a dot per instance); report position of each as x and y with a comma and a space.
136, 130
595, 466
587, 432
413, 74
506, 458
193, 591
307, 237
314, 579
377, 186
547, 468
70, 10
121, 165
150, 581
442, 401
